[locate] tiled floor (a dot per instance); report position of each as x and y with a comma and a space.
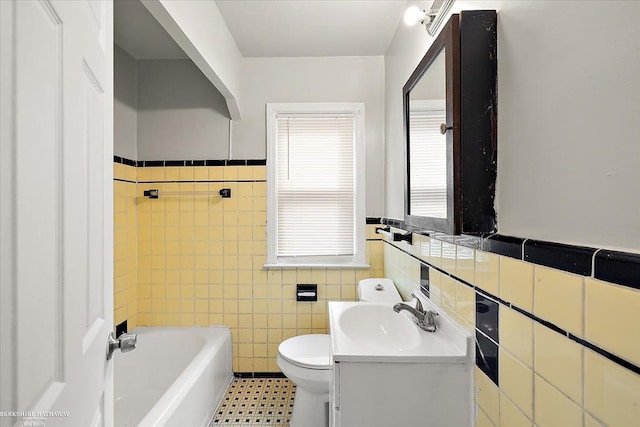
256, 402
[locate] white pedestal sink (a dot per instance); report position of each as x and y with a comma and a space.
388, 372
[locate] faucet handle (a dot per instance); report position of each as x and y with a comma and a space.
431, 315
430, 321
418, 303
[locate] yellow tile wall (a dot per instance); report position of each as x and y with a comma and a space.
125, 259
545, 378
610, 310
200, 263
516, 334
558, 297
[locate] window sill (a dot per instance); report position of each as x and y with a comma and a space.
316, 265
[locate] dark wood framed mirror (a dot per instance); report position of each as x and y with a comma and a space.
450, 125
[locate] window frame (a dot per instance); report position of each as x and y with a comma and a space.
357, 110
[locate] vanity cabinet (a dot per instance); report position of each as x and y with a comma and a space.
388, 372
450, 124
370, 394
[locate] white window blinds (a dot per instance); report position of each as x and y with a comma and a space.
428, 173
315, 185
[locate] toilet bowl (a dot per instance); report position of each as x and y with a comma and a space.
306, 361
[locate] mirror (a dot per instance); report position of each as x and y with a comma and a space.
450, 129
428, 148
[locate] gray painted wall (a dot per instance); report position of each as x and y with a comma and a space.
321, 79
125, 115
568, 119
180, 114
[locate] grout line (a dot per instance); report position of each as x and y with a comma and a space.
580, 405
583, 372
533, 369
489, 338
501, 392
485, 412
593, 264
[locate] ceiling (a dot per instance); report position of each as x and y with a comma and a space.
140, 35
273, 28
312, 27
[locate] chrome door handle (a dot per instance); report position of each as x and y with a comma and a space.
125, 342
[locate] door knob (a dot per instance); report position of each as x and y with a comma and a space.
125, 342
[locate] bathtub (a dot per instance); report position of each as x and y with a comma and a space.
175, 377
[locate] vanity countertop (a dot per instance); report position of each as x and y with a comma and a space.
373, 332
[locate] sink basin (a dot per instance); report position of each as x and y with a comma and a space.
379, 327
373, 332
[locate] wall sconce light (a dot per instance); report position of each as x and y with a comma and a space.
431, 18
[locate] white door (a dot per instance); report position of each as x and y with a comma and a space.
56, 118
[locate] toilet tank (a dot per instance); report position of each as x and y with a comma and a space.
378, 290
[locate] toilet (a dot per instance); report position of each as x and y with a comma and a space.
378, 290
306, 361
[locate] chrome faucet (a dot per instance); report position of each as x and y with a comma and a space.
425, 319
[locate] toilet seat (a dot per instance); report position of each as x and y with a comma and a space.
307, 351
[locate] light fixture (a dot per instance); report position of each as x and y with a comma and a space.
431, 18
413, 15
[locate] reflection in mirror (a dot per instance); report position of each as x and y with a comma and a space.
427, 151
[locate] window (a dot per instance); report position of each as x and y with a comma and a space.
315, 168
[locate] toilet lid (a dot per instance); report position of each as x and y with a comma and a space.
309, 351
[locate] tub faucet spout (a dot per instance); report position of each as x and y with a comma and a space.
425, 319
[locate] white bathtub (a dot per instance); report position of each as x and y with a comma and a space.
175, 377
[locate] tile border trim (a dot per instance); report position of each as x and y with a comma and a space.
202, 181
504, 245
124, 161
620, 268
259, 375
178, 163
608, 267
570, 258
124, 180
606, 354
